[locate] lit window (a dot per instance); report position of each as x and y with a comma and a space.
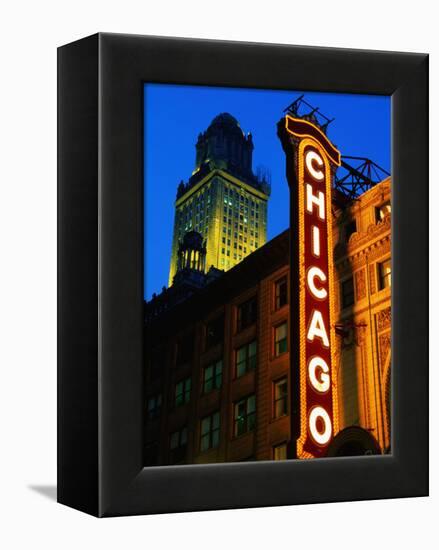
347, 292
382, 211
183, 392
245, 415
280, 339
280, 452
246, 358
210, 432
280, 395
385, 274
281, 292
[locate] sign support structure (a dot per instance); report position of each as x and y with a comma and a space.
311, 161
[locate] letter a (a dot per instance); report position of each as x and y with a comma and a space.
317, 328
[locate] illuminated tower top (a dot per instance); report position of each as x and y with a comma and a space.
223, 145
223, 200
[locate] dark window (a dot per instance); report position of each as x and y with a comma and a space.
245, 415
280, 339
215, 331
178, 446
156, 363
247, 313
347, 292
280, 395
350, 228
281, 292
178, 439
153, 406
213, 376
385, 274
210, 432
280, 452
183, 392
246, 358
185, 348
382, 211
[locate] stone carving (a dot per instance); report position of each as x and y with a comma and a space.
360, 284
372, 279
384, 319
384, 348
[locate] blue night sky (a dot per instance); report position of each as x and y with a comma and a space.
175, 115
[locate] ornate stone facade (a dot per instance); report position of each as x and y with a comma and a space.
363, 373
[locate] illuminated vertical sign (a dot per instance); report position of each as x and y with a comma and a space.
311, 158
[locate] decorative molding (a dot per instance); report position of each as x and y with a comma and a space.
384, 343
361, 257
372, 279
361, 332
358, 240
360, 284
384, 319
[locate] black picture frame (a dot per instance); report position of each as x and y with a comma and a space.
100, 267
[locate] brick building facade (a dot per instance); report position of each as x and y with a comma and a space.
217, 359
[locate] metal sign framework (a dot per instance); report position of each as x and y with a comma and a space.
355, 175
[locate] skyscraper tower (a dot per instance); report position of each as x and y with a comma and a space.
223, 200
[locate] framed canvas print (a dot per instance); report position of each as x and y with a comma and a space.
242, 266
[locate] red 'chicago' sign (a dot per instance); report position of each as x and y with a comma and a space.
314, 156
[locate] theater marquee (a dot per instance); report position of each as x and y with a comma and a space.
311, 158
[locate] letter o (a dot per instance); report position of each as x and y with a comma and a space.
321, 438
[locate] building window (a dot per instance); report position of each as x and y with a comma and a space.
347, 292
385, 274
382, 211
153, 406
178, 439
247, 313
280, 452
215, 331
280, 339
245, 415
246, 358
280, 398
210, 432
185, 348
183, 392
349, 229
281, 292
213, 376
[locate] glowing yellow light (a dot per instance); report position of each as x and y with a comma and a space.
317, 328
316, 273
312, 157
323, 383
318, 200
316, 241
320, 437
